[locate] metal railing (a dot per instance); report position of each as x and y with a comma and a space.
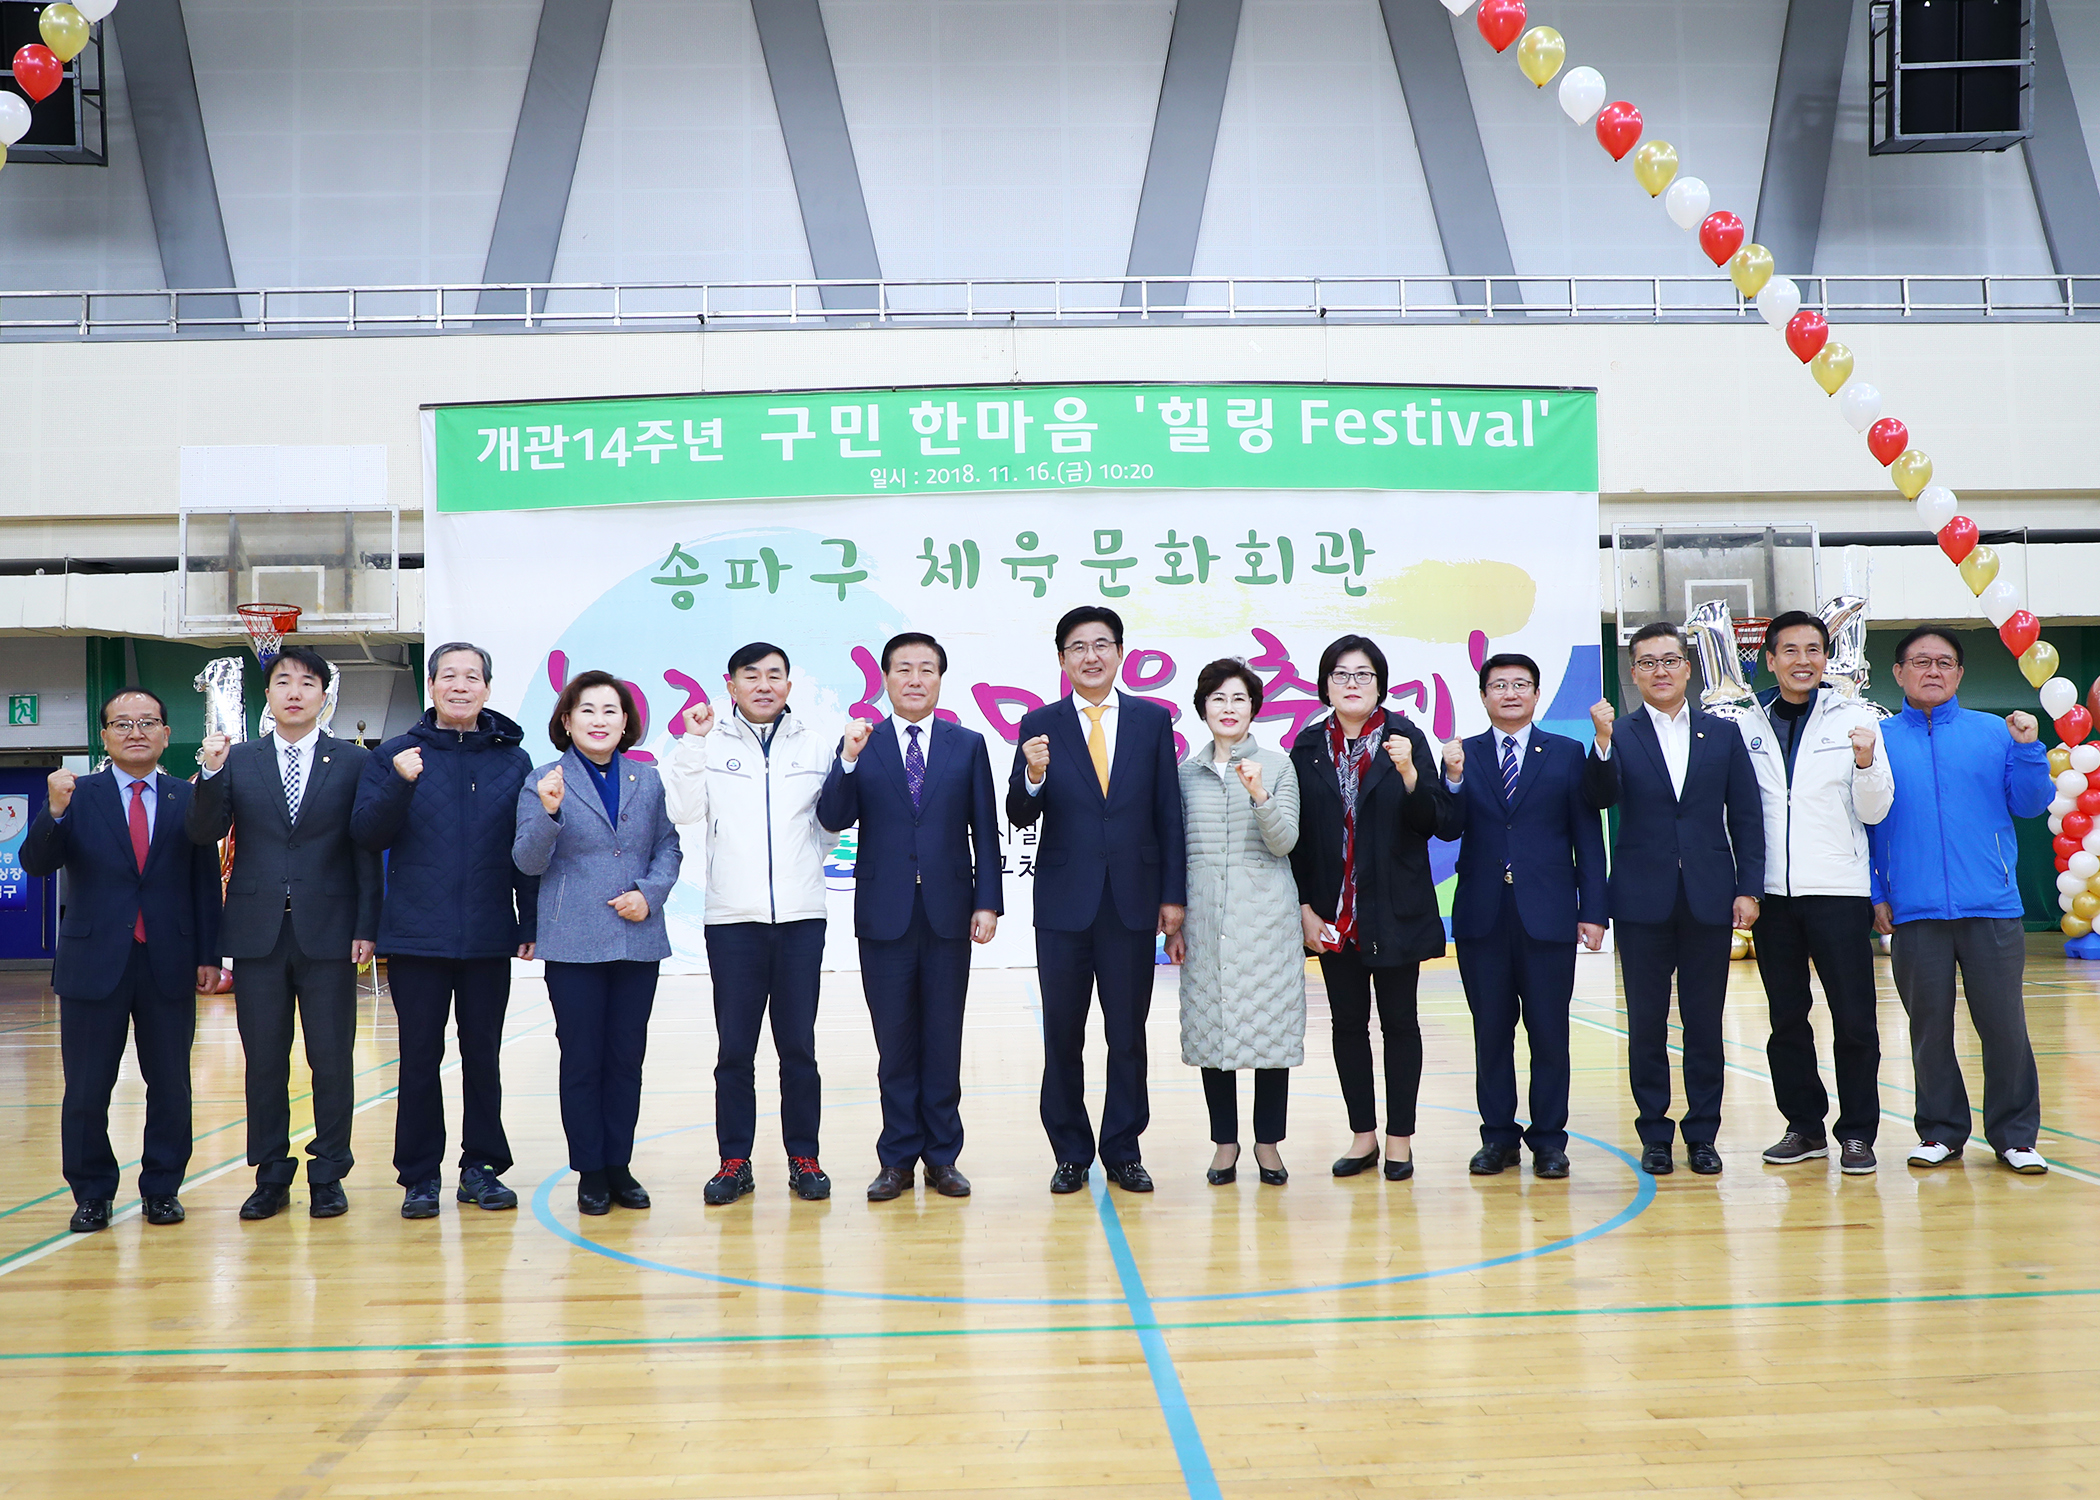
597, 307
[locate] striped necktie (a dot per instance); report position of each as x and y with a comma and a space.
1509, 767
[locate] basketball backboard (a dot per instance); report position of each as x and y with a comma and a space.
339, 565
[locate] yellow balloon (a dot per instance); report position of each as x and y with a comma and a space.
2059, 760
2076, 927
1750, 268
1654, 165
2085, 906
1978, 568
1832, 367
2038, 663
1912, 471
1541, 53
64, 30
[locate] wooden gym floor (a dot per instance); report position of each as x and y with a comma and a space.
1774, 1332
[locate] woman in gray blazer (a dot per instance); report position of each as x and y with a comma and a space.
1241, 948
592, 827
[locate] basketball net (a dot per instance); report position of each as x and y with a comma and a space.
267, 626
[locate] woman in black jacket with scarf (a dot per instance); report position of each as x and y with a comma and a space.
442, 799
1370, 801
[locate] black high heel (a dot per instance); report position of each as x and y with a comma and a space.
1224, 1176
1275, 1176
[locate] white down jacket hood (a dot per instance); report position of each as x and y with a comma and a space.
758, 813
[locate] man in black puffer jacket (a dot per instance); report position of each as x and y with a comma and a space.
442, 799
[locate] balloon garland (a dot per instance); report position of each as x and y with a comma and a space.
39, 68
2074, 816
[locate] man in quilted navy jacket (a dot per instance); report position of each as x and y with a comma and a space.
442, 801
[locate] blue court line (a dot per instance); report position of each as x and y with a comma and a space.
1196, 1471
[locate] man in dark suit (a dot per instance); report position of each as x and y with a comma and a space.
1687, 868
1530, 884
1098, 767
302, 912
925, 886
139, 939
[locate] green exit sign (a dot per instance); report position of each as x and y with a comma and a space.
21, 708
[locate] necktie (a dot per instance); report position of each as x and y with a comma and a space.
137, 818
1097, 744
914, 763
291, 784
1509, 767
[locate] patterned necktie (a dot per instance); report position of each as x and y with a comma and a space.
292, 786
1097, 744
1509, 767
139, 841
914, 763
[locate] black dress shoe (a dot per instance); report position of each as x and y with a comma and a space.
164, 1208
1069, 1177
1549, 1164
1349, 1166
1489, 1160
947, 1180
267, 1201
1703, 1159
421, 1199
625, 1190
89, 1215
593, 1194
1655, 1161
890, 1182
1130, 1176
1224, 1176
326, 1200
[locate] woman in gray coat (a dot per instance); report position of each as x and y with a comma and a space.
592, 827
1241, 949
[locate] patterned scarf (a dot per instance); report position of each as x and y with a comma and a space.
1352, 761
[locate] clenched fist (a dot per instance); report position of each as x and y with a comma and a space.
61, 791
212, 754
1037, 752
699, 719
2023, 727
408, 765
1455, 762
550, 789
1862, 746
1250, 778
857, 732
632, 905
1402, 751
1601, 716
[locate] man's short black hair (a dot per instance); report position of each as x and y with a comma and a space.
1337, 649
753, 654
913, 638
1088, 614
1503, 659
304, 656
1794, 619
1940, 631
103, 717
1655, 630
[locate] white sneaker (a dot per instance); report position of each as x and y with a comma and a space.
2025, 1160
1931, 1154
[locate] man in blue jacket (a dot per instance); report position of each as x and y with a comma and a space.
442, 800
1944, 889
926, 885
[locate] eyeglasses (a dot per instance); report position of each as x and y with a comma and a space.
1932, 663
1090, 648
1365, 678
126, 726
1511, 685
1657, 663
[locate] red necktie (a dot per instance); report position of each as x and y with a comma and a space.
138, 848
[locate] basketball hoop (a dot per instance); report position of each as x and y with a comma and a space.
267, 626
1749, 639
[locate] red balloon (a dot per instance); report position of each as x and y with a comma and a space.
1886, 440
2092, 698
2066, 847
1720, 236
1618, 128
1500, 21
2020, 630
2063, 863
2075, 725
1806, 334
2089, 804
38, 70
1958, 538
2076, 826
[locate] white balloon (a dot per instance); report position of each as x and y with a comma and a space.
2086, 758
1581, 93
2056, 823
2083, 865
1936, 503
2091, 843
2069, 884
94, 10
2058, 806
1779, 301
14, 118
1860, 403
2059, 696
2070, 783
2064, 900
1999, 600
1687, 202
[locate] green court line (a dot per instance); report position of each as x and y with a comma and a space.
716, 1340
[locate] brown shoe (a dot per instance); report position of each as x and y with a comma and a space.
946, 1180
890, 1182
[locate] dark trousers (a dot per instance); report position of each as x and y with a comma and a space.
601, 1019
1349, 984
1836, 934
323, 992
1272, 1096
1510, 975
755, 964
1697, 954
426, 992
91, 1036
916, 985
1991, 953
1072, 967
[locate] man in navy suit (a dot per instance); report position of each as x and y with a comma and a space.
1098, 767
139, 939
926, 885
1688, 867
1530, 884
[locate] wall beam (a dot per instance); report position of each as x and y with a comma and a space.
2059, 167
820, 148
1184, 141
1804, 123
175, 157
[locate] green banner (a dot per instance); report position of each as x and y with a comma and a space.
805, 444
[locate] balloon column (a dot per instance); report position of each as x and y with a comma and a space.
1689, 203
40, 67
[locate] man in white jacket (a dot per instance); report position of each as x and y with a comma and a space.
1824, 775
751, 781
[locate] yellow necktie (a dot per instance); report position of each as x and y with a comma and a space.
1097, 744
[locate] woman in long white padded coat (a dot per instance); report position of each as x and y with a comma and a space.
1241, 950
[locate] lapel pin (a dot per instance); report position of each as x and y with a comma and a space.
1702, 734
324, 760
